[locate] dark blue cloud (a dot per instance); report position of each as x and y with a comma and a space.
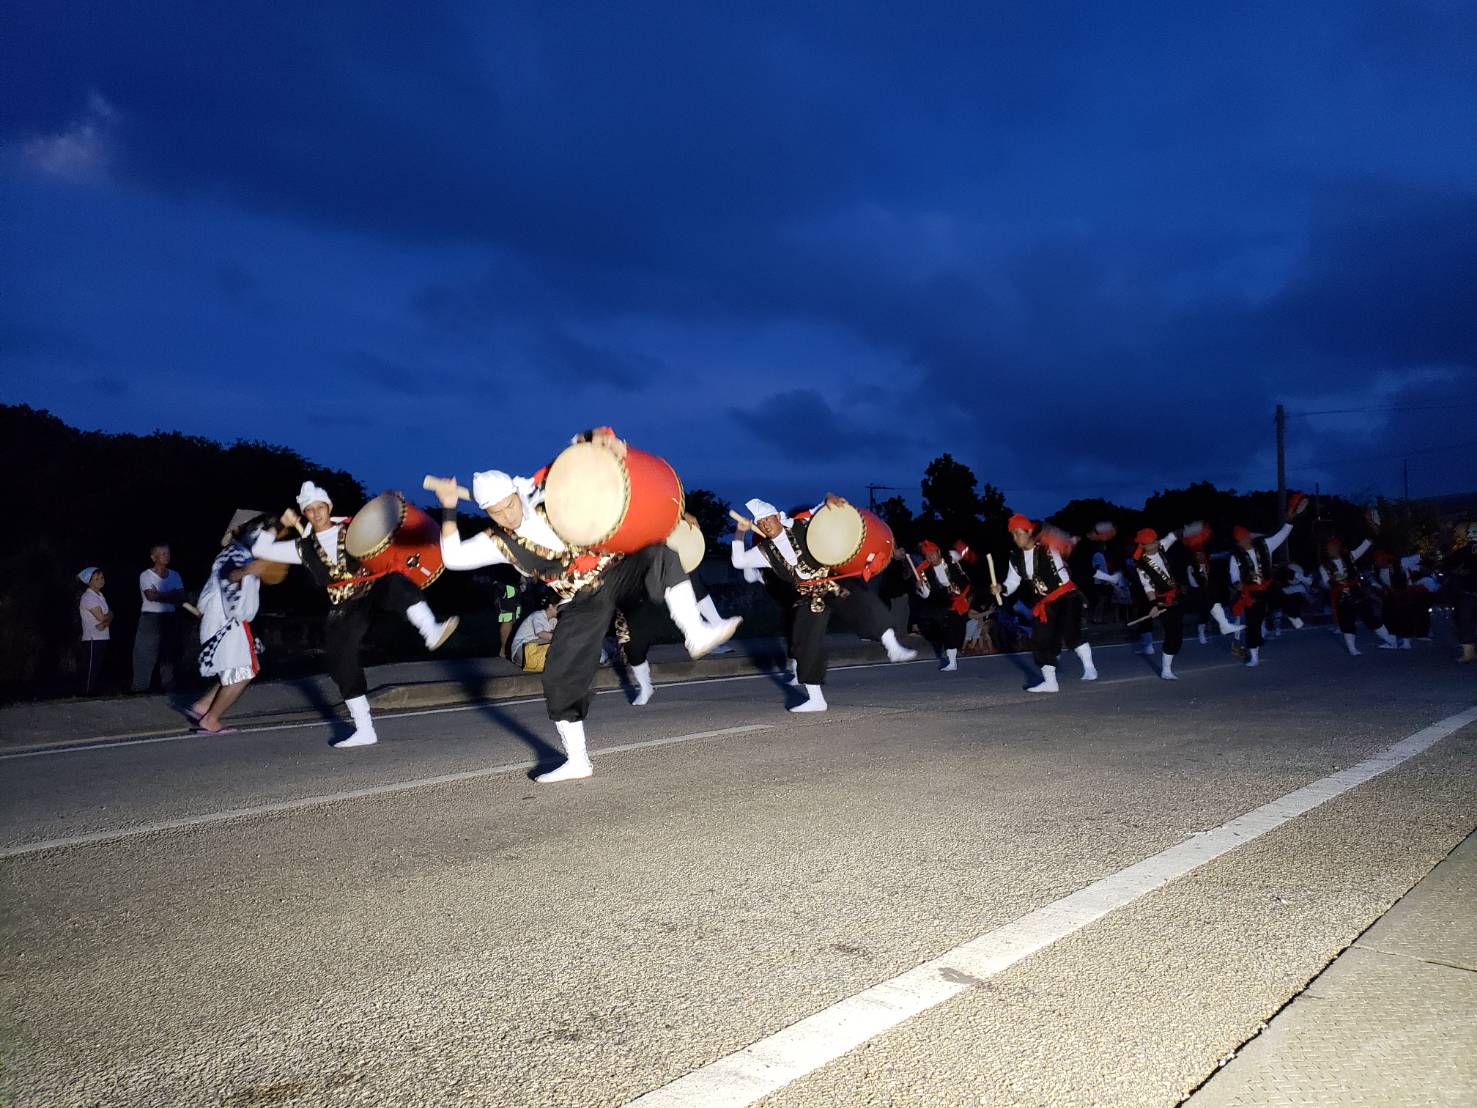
1085, 249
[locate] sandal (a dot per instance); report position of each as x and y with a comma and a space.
221, 731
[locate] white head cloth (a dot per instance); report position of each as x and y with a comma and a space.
759, 509
490, 486
311, 494
86, 575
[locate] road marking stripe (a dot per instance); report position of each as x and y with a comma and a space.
150, 737
349, 794
770, 1064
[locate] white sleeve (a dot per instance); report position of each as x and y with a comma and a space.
1061, 567
1359, 552
1168, 540
1410, 563
272, 550
1323, 576
920, 582
1012, 581
473, 553
1274, 541
1235, 571
1145, 583
747, 557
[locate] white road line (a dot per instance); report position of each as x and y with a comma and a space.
756, 1071
147, 740
348, 794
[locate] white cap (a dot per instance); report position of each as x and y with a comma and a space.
759, 509
490, 486
86, 575
311, 494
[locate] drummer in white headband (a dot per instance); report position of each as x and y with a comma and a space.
355, 603
808, 595
590, 586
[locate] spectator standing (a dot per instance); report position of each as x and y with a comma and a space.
96, 618
157, 642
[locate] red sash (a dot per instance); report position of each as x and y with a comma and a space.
1039, 608
1245, 600
1338, 590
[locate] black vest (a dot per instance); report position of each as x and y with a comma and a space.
1250, 576
940, 593
1342, 571
806, 568
1045, 578
339, 576
1162, 581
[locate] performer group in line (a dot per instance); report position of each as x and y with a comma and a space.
603, 528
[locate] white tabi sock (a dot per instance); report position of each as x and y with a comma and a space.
1387, 640
815, 700
1226, 626
1349, 643
1166, 668
644, 687
951, 660
576, 761
709, 611
698, 636
896, 651
1089, 671
1404, 644
363, 725
1296, 622
1048, 680
794, 679
424, 620
1203, 639
1253, 657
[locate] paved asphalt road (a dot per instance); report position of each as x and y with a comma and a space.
457, 934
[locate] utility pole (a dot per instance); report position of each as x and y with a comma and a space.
872, 491
1405, 472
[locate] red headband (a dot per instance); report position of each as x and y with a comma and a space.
1019, 522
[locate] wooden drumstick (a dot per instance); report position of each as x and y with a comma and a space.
994, 581
740, 518
436, 484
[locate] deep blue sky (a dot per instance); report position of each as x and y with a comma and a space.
1085, 248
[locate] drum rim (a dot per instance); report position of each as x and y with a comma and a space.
384, 543
861, 539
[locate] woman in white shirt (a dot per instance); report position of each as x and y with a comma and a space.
96, 618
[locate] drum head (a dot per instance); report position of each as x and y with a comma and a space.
586, 493
689, 544
834, 534
373, 525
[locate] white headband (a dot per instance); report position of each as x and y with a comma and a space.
490, 486
311, 494
759, 509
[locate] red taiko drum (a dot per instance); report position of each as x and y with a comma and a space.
599, 501
390, 535
852, 541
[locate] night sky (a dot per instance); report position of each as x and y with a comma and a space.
1085, 248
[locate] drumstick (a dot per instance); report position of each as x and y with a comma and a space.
194, 611
1157, 611
436, 484
994, 581
740, 519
